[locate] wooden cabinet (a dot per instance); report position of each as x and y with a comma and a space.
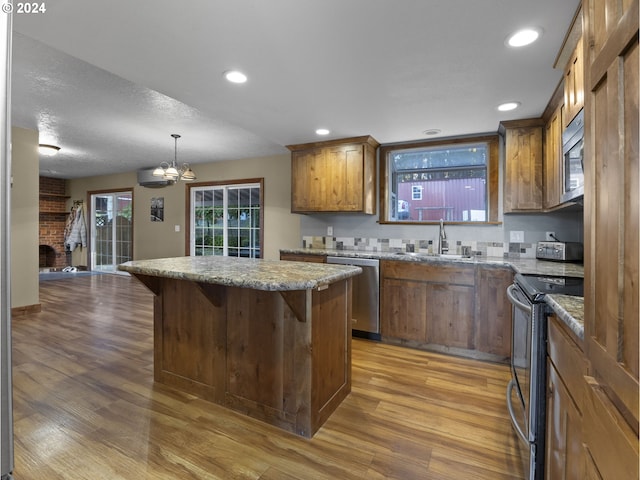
566, 386
553, 165
574, 84
436, 307
303, 257
611, 235
523, 165
493, 311
334, 176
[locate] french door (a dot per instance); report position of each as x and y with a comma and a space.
111, 230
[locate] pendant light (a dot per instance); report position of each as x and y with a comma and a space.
171, 171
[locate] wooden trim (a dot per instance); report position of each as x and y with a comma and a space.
365, 139
187, 212
26, 310
493, 175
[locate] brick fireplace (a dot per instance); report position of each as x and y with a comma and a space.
53, 218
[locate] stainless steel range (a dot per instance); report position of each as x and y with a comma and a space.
526, 392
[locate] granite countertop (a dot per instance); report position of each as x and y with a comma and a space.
570, 310
524, 265
257, 274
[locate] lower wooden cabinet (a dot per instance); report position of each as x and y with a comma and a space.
303, 257
566, 456
437, 307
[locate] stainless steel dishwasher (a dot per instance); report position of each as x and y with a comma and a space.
365, 296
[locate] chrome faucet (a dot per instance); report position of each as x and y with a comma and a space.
443, 246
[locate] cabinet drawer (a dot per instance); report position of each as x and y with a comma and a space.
568, 360
422, 272
303, 257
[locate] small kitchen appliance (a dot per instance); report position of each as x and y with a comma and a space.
560, 251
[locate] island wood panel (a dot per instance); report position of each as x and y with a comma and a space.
281, 357
190, 338
331, 350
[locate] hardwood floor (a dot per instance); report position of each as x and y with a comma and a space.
86, 407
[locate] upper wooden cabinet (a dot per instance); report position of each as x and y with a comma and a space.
523, 165
334, 176
553, 170
574, 84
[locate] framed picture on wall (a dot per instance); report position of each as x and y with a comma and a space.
157, 209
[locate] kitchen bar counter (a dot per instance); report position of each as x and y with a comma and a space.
269, 339
271, 275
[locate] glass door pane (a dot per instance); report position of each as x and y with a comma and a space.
111, 230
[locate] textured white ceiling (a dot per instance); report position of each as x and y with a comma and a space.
110, 81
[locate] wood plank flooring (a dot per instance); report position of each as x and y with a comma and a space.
86, 407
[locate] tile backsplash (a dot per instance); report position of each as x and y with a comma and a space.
369, 244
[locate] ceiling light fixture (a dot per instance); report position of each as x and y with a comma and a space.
235, 76
48, 150
508, 106
171, 171
432, 131
524, 37
322, 131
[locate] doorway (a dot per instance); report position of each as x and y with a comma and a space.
111, 230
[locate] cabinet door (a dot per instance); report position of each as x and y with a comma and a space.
493, 311
450, 315
403, 310
523, 169
344, 171
308, 182
565, 453
553, 160
611, 203
574, 84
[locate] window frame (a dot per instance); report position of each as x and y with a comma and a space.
493, 175
222, 183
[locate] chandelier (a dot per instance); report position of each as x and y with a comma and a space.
171, 171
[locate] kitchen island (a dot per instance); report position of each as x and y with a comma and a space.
269, 339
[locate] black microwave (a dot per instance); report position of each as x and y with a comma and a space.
572, 151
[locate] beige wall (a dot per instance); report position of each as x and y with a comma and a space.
24, 218
159, 239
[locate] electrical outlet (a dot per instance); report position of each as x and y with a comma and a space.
550, 236
330, 231
516, 236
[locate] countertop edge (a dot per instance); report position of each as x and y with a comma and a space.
331, 274
570, 310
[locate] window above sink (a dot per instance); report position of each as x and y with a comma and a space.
453, 179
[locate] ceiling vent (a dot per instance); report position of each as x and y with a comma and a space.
146, 178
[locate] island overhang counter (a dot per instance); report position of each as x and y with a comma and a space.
267, 338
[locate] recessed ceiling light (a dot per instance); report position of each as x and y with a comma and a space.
432, 131
322, 131
524, 37
508, 106
235, 76
48, 150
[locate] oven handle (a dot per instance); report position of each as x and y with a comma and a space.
515, 301
521, 434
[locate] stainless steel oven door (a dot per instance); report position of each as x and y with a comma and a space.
518, 393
